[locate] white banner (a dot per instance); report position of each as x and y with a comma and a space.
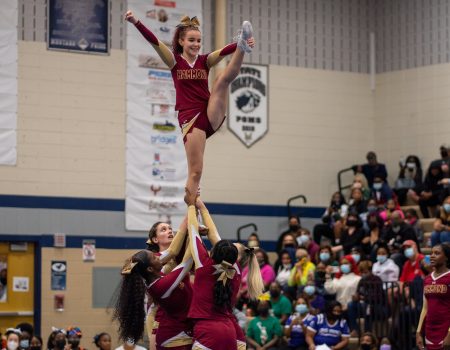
248, 110
8, 78
156, 160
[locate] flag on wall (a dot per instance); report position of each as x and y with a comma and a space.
156, 168
8, 77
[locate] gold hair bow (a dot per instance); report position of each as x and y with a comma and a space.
189, 22
226, 271
128, 267
264, 297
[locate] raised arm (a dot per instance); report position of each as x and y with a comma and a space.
218, 55
213, 235
161, 49
198, 250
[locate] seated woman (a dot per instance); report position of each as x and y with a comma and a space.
315, 300
360, 181
385, 268
357, 203
441, 225
344, 284
328, 329
295, 327
372, 239
409, 177
352, 234
284, 270
303, 270
391, 207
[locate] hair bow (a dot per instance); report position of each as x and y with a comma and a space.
264, 297
74, 331
14, 330
189, 22
58, 330
250, 250
226, 271
128, 267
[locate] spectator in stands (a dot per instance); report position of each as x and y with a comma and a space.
324, 232
74, 337
264, 331
391, 206
294, 227
441, 225
385, 268
284, 270
12, 338
357, 254
303, 270
356, 202
281, 305
395, 235
345, 282
326, 256
60, 340
432, 191
305, 240
316, 301
295, 328
352, 235
360, 181
410, 177
371, 168
372, 239
102, 341
289, 244
329, 329
413, 267
381, 191
368, 341
253, 240
36, 343
27, 331
369, 300
337, 208
412, 219
267, 272
51, 339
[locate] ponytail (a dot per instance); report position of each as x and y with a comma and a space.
129, 310
254, 280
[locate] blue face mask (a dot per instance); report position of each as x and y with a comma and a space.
381, 259
304, 239
409, 252
324, 256
345, 268
301, 308
356, 257
377, 186
310, 290
385, 347
447, 208
371, 209
25, 343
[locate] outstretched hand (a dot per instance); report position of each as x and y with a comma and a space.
129, 16
251, 42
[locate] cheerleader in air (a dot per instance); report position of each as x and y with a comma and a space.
217, 281
200, 112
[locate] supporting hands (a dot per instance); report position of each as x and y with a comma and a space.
129, 16
251, 42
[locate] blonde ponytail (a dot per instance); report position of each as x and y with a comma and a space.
254, 280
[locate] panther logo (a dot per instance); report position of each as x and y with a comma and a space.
248, 101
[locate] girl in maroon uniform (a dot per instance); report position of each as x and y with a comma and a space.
200, 113
436, 302
217, 281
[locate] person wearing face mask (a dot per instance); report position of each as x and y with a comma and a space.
12, 338
284, 270
372, 239
302, 271
295, 328
352, 234
371, 168
328, 329
36, 343
396, 234
345, 282
413, 267
315, 301
409, 177
60, 341
281, 306
73, 337
385, 268
441, 225
26, 330
294, 227
368, 341
305, 240
289, 244
253, 240
391, 206
381, 191
412, 219
264, 331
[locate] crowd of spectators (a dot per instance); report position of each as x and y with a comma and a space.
358, 263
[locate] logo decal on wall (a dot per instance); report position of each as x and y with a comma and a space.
248, 110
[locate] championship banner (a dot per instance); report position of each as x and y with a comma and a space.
78, 25
248, 104
8, 78
156, 167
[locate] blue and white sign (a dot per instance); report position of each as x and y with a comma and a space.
78, 25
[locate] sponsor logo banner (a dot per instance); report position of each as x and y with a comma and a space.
248, 104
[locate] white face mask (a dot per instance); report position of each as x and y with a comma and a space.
12, 345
